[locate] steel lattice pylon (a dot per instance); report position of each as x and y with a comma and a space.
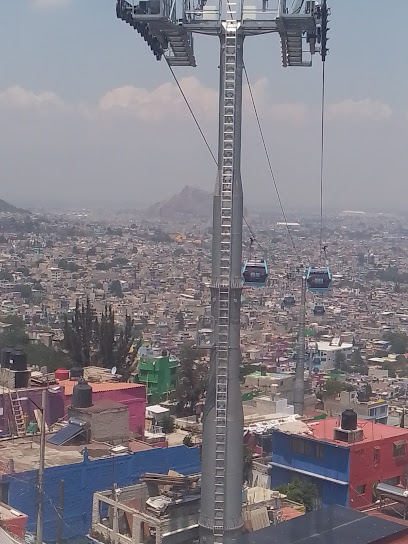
168, 26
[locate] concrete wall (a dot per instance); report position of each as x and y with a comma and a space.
333, 464
82, 480
109, 425
134, 399
366, 470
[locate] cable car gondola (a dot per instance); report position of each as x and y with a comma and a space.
319, 309
318, 279
255, 273
288, 301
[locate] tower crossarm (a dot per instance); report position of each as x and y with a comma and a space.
157, 21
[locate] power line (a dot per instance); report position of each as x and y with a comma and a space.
269, 162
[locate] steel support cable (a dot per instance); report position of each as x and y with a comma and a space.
190, 109
270, 163
322, 123
192, 112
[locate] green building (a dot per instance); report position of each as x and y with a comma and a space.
159, 374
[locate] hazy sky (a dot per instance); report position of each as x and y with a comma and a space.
87, 115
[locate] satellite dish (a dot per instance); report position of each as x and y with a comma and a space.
114, 370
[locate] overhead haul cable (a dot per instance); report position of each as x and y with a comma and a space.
269, 162
190, 109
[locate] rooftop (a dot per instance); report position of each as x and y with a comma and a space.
324, 430
25, 453
331, 525
99, 387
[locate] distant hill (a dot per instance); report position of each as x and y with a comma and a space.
191, 201
5, 207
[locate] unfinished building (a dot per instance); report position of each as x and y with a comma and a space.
164, 509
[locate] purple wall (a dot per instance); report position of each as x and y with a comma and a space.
54, 408
134, 399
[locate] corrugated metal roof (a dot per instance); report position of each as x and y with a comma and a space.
99, 387
331, 525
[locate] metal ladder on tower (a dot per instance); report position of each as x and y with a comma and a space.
225, 275
17, 413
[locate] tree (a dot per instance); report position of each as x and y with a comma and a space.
124, 360
79, 334
302, 492
398, 340
332, 388
91, 252
37, 354
340, 359
4, 275
67, 265
23, 270
15, 335
115, 288
89, 340
192, 380
188, 440
180, 320
102, 266
357, 362
41, 355
106, 337
168, 425
24, 290
119, 261
391, 367
248, 462
245, 369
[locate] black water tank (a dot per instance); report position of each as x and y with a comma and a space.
164, 353
82, 395
76, 372
19, 358
5, 357
22, 379
349, 420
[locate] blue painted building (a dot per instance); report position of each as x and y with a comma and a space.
82, 480
325, 464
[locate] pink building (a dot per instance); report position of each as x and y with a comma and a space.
133, 395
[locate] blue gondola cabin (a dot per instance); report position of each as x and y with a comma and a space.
318, 280
255, 273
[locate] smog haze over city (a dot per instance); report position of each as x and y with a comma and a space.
184, 365
94, 120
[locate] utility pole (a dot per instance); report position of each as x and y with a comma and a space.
299, 396
60, 513
39, 538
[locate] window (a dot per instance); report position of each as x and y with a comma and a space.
360, 489
392, 481
300, 445
376, 454
399, 448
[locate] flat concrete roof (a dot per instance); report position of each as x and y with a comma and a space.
25, 453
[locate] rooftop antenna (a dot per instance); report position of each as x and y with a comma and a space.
168, 26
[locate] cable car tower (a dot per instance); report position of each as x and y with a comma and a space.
168, 27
